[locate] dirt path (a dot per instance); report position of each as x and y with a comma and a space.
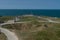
10, 35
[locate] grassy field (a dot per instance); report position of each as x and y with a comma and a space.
6, 18
58, 19
26, 31
3, 37
50, 33
35, 30
30, 18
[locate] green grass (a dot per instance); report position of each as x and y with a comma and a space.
50, 33
28, 18
6, 18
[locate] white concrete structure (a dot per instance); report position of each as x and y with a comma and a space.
17, 18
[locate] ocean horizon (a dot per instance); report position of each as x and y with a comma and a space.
39, 12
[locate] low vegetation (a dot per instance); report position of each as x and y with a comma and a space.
6, 18
3, 36
30, 18
31, 30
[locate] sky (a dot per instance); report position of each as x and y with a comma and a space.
29, 4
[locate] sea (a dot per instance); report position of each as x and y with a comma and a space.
39, 12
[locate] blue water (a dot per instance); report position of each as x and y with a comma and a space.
15, 12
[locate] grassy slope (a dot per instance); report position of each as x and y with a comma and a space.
3, 37
30, 18
6, 18
50, 33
